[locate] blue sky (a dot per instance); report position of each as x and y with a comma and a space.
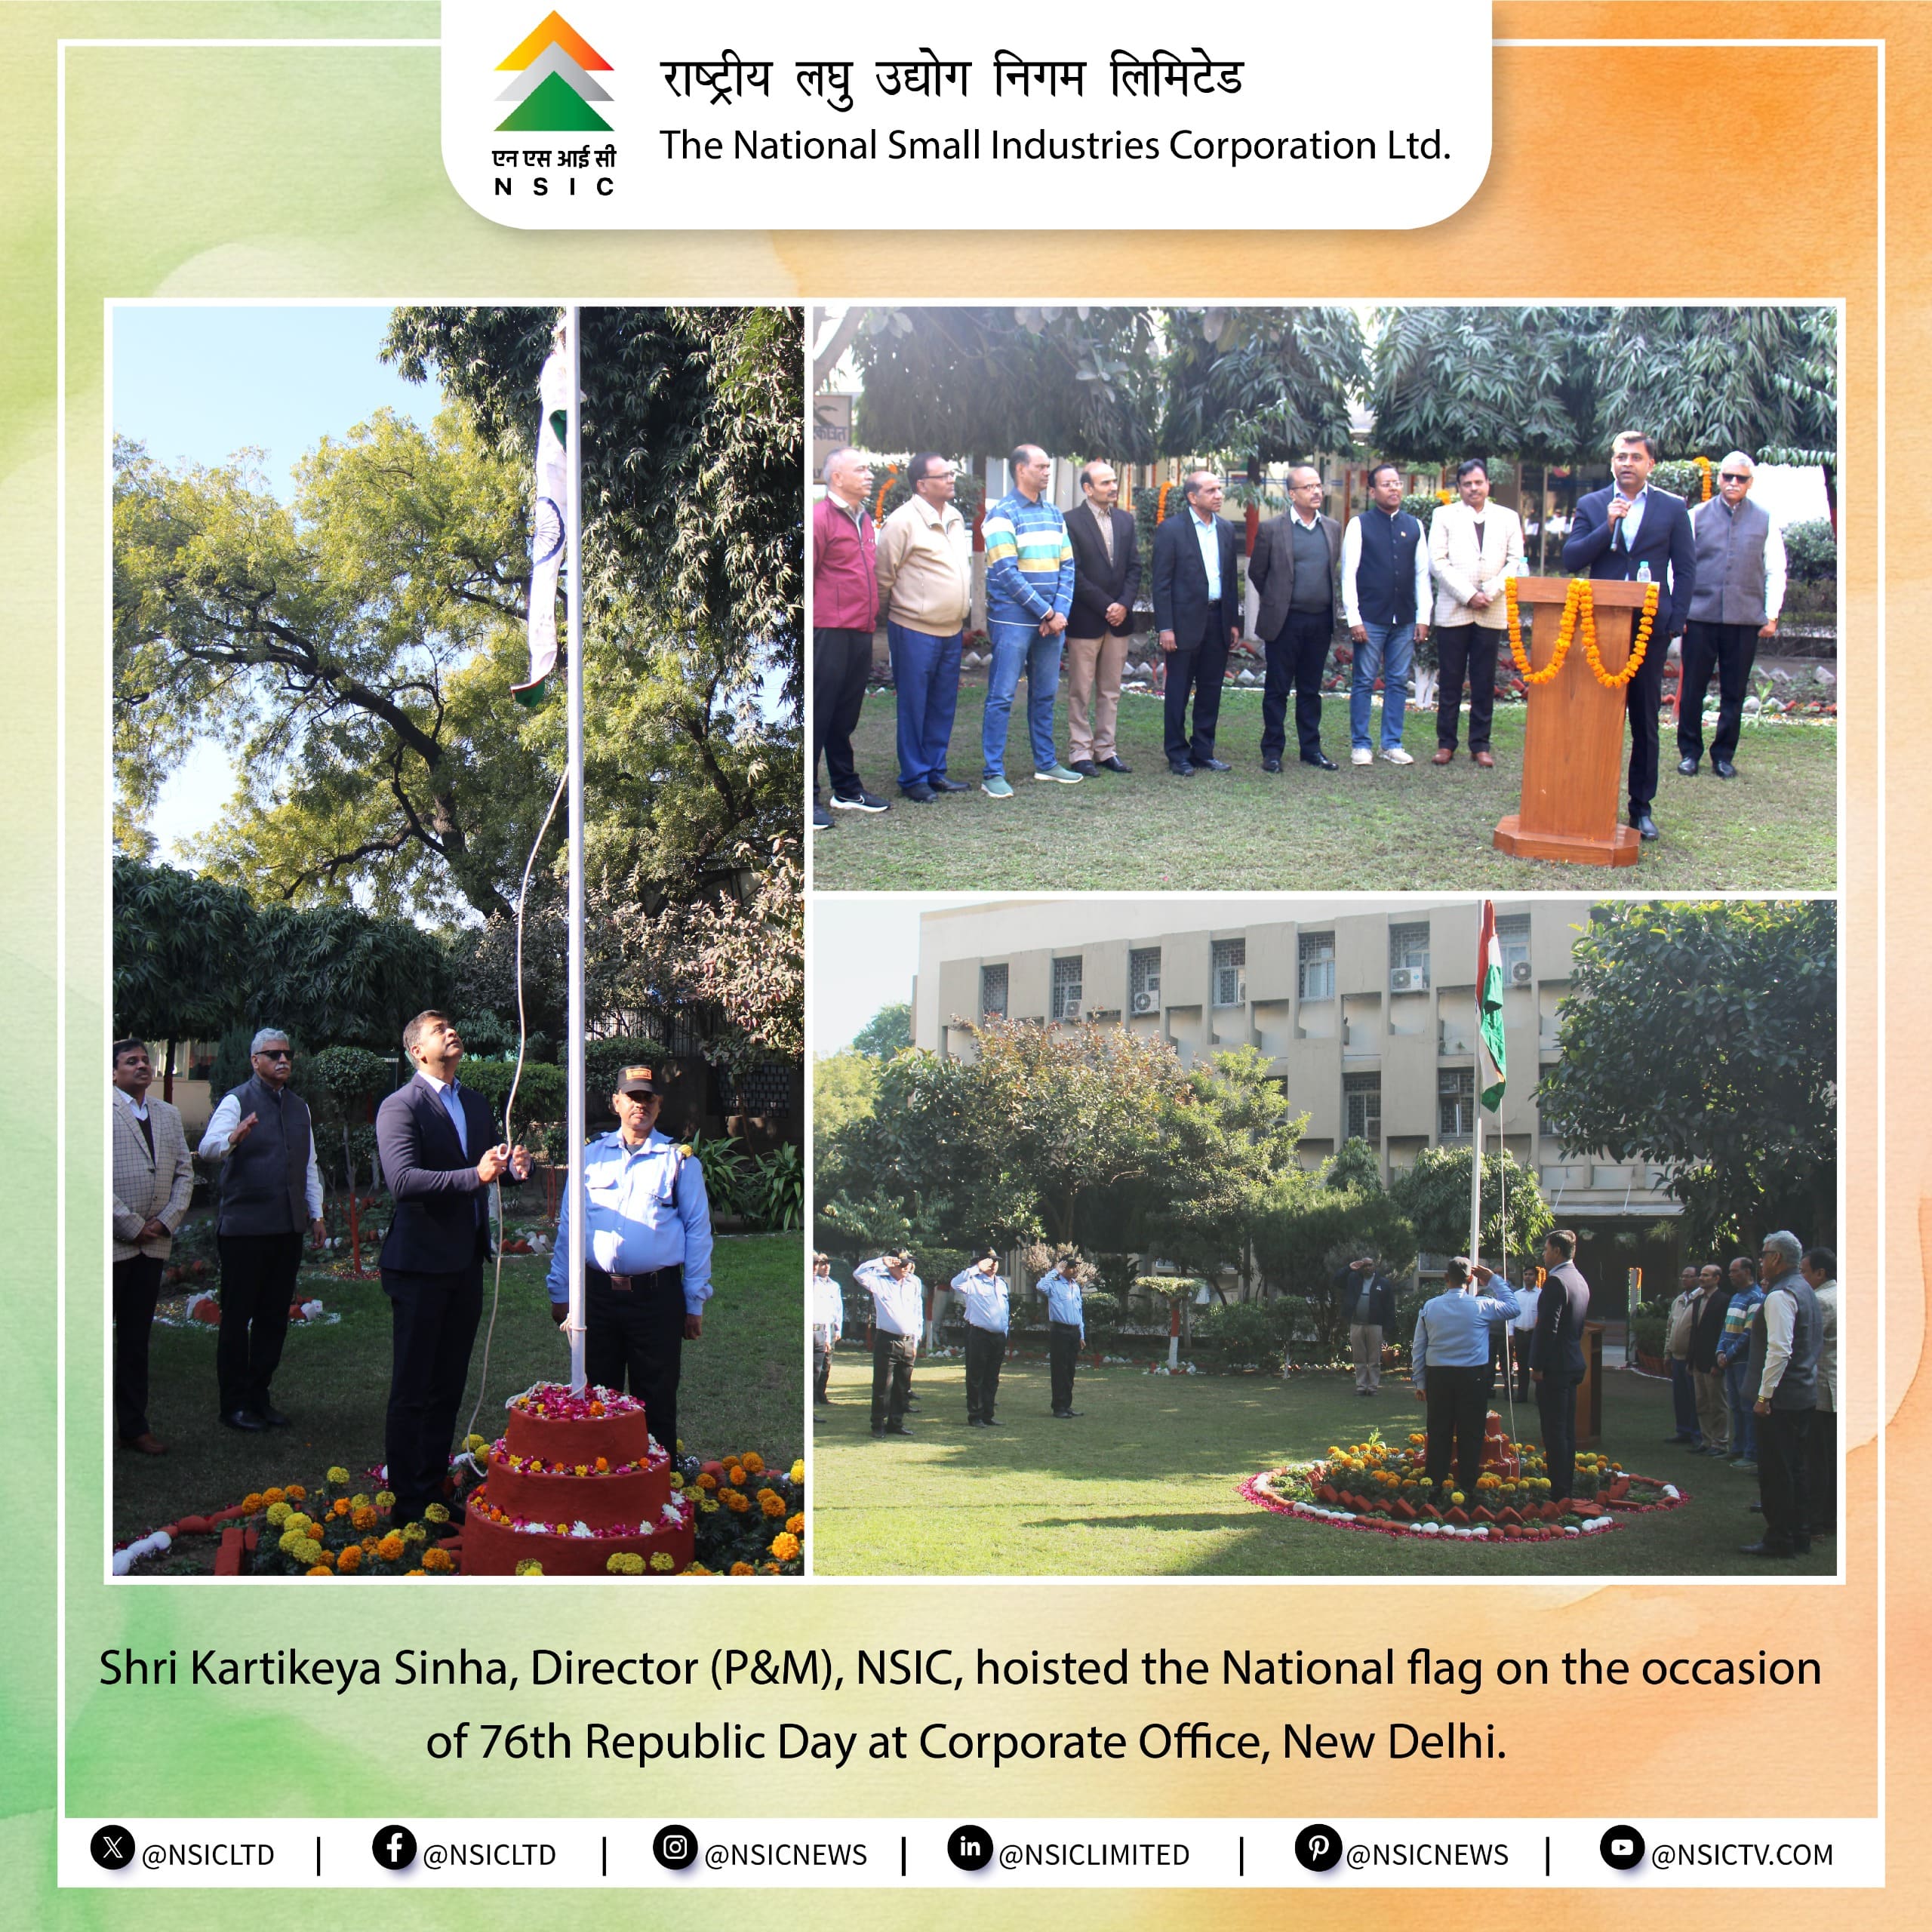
196, 383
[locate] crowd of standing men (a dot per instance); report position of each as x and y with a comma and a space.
1062, 589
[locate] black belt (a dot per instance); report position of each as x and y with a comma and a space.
624, 1285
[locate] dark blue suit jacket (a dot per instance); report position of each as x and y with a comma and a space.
1563, 1307
440, 1225
1664, 541
1181, 581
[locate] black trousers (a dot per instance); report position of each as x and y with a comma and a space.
1520, 1339
1730, 649
1641, 696
841, 662
1297, 656
1458, 1408
892, 1376
257, 1283
136, 1289
432, 1325
985, 1352
634, 1341
1784, 1439
1463, 649
821, 1370
1062, 1351
1200, 669
1556, 1406
1821, 1471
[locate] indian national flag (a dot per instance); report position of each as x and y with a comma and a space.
547, 536
1489, 1056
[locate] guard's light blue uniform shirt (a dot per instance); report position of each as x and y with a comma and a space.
648, 1210
1063, 1300
1452, 1331
985, 1299
899, 1307
828, 1309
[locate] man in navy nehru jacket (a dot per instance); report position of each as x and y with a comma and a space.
1385, 604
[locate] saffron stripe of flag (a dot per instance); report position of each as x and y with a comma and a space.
1491, 1064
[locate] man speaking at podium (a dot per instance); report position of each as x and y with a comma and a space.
1631, 533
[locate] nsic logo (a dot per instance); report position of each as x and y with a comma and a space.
553, 88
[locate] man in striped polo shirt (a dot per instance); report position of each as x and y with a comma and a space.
1030, 591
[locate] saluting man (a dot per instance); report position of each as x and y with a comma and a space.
647, 1255
983, 1290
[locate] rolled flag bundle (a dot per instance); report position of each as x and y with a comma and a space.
1490, 1055
549, 536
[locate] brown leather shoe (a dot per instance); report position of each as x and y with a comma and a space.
1483, 759
147, 1445
1444, 755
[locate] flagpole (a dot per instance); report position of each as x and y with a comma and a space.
1475, 1186
573, 693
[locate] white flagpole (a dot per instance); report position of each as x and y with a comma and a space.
574, 689
1475, 1186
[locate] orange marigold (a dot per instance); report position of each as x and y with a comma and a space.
707, 1480
741, 1569
272, 1496
296, 1492
339, 1507
363, 1518
753, 1463
771, 1502
253, 1501
350, 1560
736, 1500
320, 1570
735, 1474
438, 1559
391, 1547
796, 1524
784, 1546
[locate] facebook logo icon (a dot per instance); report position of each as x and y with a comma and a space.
394, 1847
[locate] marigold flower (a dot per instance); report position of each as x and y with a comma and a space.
295, 1492
707, 1480
350, 1560
708, 1505
475, 1443
677, 1481
363, 1517
273, 1496
530, 1567
737, 1501
306, 1550
339, 1507
741, 1569
336, 1475
278, 1515
753, 1463
319, 1570
784, 1546
415, 1573
796, 1524
386, 1498
699, 1569
436, 1512
771, 1570
734, 1475
663, 1561
414, 1532
771, 1502
252, 1502
624, 1563
438, 1560
603, 1465
798, 1470
391, 1548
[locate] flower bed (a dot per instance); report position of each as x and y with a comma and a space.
1384, 1488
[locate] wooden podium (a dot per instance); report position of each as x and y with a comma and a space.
1573, 741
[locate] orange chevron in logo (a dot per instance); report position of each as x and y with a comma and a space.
553, 30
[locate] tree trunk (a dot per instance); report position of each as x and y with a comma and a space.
167, 1076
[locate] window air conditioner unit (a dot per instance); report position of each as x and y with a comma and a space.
1521, 973
1146, 1002
1241, 993
1409, 979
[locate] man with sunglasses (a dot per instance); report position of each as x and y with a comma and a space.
1741, 591
271, 1187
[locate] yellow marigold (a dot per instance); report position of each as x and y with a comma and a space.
414, 1532
278, 1515
708, 1505
530, 1567
298, 1521
771, 1502
287, 1541
784, 1546
699, 1569
306, 1550
796, 1524
437, 1512
753, 1463
364, 1501
475, 1443
386, 1498
337, 1476
438, 1559
677, 1481
740, 1569
707, 1480
363, 1517
272, 1496
296, 1492
350, 1559
663, 1561
320, 1570
253, 1501
737, 1501
391, 1548
798, 1470
624, 1563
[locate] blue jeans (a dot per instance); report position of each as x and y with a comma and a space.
1015, 648
1683, 1401
1386, 654
925, 674
1743, 1423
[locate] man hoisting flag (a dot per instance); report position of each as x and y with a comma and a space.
549, 528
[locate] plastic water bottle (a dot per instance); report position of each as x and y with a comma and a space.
1643, 571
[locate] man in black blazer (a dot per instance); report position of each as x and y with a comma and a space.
1296, 617
1556, 1357
440, 1153
1106, 580
1624, 533
1199, 616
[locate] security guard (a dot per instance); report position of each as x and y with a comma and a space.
984, 1289
647, 1250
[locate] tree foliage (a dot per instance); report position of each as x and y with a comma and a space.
1703, 1037
1435, 1195
889, 1031
1268, 385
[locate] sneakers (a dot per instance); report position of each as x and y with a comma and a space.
1058, 774
1361, 754
821, 819
1395, 754
996, 788
861, 801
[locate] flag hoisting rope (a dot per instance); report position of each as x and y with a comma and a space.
574, 682
1490, 1067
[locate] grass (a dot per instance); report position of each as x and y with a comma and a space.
1144, 1484
1378, 827
741, 1386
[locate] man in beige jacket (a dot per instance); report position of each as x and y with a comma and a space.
925, 582
1473, 546
154, 1177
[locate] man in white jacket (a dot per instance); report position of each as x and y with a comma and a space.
1474, 545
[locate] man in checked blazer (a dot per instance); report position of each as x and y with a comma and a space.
440, 1153
154, 1177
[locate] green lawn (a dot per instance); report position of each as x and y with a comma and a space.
1145, 1482
1378, 827
741, 1386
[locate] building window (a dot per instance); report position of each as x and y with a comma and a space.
1143, 980
1066, 988
1317, 965
1456, 1103
1231, 972
1512, 936
1408, 958
1361, 1102
992, 992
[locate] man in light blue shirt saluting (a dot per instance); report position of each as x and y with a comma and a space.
983, 1291
1067, 1327
647, 1255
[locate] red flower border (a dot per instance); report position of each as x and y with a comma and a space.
1255, 1490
